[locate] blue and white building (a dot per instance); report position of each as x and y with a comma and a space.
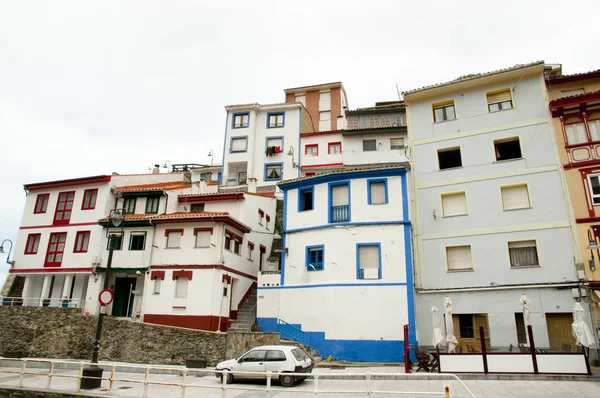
346, 280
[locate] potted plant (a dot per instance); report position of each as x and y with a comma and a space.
46, 302
65, 301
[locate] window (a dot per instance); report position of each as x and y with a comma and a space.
569, 93
301, 98
523, 253
368, 260
273, 172
152, 204
261, 216
396, 143
369, 145
255, 356
499, 100
594, 128
268, 220
129, 205
377, 191
56, 248
339, 197
325, 121
238, 144
82, 240
520, 324
173, 238
202, 237
594, 181
310, 174
275, 120
157, 283
311, 150
325, 101
515, 197
137, 241
274, 146
334, 148
454, 204
233, 242
116, 240
305, 199
459, 258
41, 203
576, 133
181, 287
299, 354
314, 258
507, 149
466, 329
197, 207
89, 199
443, 111
466, 326
449, 158
240, 120
250, 250
242, 177
64, 207
33, 242
275, 356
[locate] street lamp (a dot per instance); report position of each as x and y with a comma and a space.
591, 247
92, 375
12, 263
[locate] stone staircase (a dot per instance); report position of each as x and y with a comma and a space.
246, 314
16, 287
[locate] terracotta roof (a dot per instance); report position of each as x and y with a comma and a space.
200, 195
567, 100
131, 217
382, 106
351, 170
313, 85
204, 214
574, 77
68, 182
151, 187
261, 105
372, 129
473, 77
320, 132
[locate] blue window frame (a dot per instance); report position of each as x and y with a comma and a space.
306, 198
273, 171
275, 120
368, 260
339, 201
240, 120
238, 144
377, 191
314, 257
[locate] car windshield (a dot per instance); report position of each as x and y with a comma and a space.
299, 354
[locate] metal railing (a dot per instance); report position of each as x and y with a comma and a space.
292, 332
340, 213
252, 319
180, 378
39, 302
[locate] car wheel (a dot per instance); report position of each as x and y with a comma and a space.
229, 377
287, 380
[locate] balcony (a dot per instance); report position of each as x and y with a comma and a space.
340, 213
237, 174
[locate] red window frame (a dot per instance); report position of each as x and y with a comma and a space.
33, 243
55, 249
89, 199
310, 174
81, 244
64, 206
333, 143
41, 203
310, 146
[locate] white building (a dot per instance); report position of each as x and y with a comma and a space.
490, 210
345, 285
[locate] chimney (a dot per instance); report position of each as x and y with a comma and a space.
156, 169
203, 186
187, 178
251, 184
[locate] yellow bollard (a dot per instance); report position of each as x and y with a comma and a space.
447, 390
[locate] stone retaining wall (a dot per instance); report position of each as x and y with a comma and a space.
47, 332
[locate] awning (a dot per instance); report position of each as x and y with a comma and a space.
122, 270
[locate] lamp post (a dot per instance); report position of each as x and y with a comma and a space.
92, 375
12, 263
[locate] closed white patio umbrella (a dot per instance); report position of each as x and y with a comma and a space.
580, 329
451, 341
526, 313
438, 338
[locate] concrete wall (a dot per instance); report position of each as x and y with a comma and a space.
324, 157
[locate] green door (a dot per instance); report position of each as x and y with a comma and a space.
123, 296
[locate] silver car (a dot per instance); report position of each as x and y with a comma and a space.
276, 358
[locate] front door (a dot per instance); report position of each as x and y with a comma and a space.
559, 331
123, 302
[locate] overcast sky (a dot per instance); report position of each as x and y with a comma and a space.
89, 88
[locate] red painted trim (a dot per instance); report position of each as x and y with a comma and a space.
224, 219
47, 270
562, 102
168, 231
55, 251
310, 146
64, 210
573, 78
45, 197
333, 143
320, 133
322, 165
587, 220
197, 322
263, 249
251, 245
90, 192
68, 183
179, 306
578, 165
183, 274
206, 266
268, 218
29, 238
80, 233
81, 224
210, 198
157, 274
196, 230
261, 212
226, 277
310, 174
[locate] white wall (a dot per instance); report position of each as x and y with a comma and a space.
354, 154
323, 158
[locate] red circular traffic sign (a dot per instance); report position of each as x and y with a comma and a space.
105, 297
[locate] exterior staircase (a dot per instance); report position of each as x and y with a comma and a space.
16, 288
246, 315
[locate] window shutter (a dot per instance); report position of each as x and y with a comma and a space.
238, 144
368, 257
339, 195
576, 133
454, 204
174, 239
499, 97
459, 257
203, 239
515, 197
181, 288
275, 142
377, 193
